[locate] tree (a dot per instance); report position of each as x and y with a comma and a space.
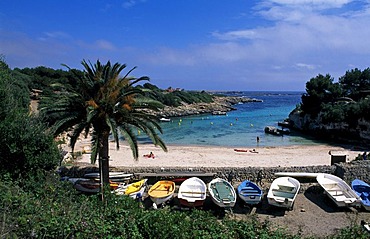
354, 82
103, 101
319, 90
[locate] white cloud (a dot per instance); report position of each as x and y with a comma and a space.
104, 45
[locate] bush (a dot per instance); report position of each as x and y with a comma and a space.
25, 147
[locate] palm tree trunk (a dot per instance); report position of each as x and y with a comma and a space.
104, 158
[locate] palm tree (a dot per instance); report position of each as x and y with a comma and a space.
105, 103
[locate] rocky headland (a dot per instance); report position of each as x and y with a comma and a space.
220, 105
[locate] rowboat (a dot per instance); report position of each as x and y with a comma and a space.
249, 192
192, 192
283, 192
297, 174
362, 189
116, 176
222, 193
92, 186
161, 192
338, 190
133, 190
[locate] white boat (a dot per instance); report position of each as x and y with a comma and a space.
161, 192
222, 193
192, 192
165, 119
114, 176
283, 192
297, 174
338, 190
134, 190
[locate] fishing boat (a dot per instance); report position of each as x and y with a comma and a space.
362, 189
249, 192
134, 190
192, 192
161, 192
283, 192
338, 190
222, 193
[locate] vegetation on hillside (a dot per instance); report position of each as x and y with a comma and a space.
345, 102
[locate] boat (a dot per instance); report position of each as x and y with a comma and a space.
115, 176
222, 193
297, 174
283, 192
92, 186
249, 192
362, 189
165, 119
134, 190
338, 190
161, 192
192, 192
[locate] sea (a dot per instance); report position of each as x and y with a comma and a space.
239, 128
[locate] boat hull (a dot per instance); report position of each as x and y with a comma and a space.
222, 193
362, 189
192, 192
249, 192
338, 191
283, 192
162, 191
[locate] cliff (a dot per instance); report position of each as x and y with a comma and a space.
339, 131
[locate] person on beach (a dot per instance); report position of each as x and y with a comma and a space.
150, 155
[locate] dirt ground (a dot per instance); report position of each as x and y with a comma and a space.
313, 214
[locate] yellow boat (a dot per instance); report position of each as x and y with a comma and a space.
162, 191
136, 187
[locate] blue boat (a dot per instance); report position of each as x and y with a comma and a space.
362, 189
249, 192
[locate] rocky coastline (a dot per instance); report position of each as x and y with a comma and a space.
341, 131
220, 104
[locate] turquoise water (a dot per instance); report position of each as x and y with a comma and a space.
240, 127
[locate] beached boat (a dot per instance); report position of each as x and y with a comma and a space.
297, 174
338, 190
134, 190
114, 176
362, 189
283, 192
161, 192
192, 192
249, 192
92, 186
222, 193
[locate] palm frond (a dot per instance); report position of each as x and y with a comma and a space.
131, 139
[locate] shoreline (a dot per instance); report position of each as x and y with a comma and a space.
219, 156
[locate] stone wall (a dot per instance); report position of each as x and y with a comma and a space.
347, 171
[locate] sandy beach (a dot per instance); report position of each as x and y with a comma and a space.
207, 156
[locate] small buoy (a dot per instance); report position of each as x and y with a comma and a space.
251, 125
211, 123
231, 124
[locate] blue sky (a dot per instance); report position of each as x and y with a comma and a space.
193, 44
